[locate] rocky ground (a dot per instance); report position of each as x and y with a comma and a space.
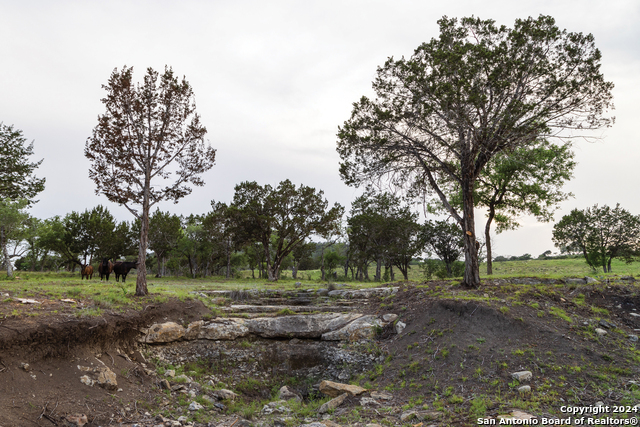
411, 354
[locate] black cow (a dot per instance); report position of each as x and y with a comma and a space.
105, 268
122, 268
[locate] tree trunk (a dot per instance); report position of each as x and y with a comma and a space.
472, 268
141, 280
5, 253
228, 262
378, 276
294, 271
609, 265
487, 238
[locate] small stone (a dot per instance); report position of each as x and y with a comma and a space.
107, 379
120, 390
286, 394
184, 378
297, 284
522, 375
599, 403
86, 380
367, 401
633, 338
400, 327
164, 384
390, 317
332, 404
524, 389
224, 394
590, 279
322, 292
381, 395
408, 415
170, 373
182, 419
601, 332
634, 314
195, 406
25, 366
606, 324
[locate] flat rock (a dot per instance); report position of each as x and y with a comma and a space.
524, 389
217, 329
381, 395
517, 415
359, 329
334, 389
163, 333
332, 404
368, 401
299, 326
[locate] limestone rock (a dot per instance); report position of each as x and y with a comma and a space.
524, 389
332, 404
297, 284
286, 394
107, 378
633, 338
359, 329
381, 395
573, 281
590, 280
195, 406
224, 394
322, 292
522, 375
390, 317
102, 376
163, 333
400, 327
600, 332
408, 415
367, 401
170, 373
334, 389
164, 384
299, 326
217, 329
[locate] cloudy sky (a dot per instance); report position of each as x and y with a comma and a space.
273, 81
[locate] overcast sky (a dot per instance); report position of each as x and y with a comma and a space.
273, 81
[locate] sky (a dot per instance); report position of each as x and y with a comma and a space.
273, 80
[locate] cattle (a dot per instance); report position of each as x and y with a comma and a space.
105, 268
87, 270
122, 268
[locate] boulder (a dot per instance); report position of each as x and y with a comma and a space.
359, 329
217, 329
334, 389
299, 326
163, 333
332, 404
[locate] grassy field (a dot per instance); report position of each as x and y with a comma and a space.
112, 294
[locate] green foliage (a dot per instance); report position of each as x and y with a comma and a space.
435, 120
600, 234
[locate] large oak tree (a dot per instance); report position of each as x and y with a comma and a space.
148, 146
478, 90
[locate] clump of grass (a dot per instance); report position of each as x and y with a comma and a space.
558, 312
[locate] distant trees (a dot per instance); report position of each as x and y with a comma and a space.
18, 187
440, 116
445, 240
149, 133
282, 218
383, 231
600, 234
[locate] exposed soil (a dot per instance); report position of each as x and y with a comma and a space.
455, 356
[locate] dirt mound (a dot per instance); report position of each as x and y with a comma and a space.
55, 346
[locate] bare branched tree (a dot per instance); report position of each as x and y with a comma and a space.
149, 136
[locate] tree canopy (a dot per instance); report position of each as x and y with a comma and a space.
600, 234
282, 218
479, 89
149, 134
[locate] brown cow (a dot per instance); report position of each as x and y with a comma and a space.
105, 268
87, 270
122, 268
